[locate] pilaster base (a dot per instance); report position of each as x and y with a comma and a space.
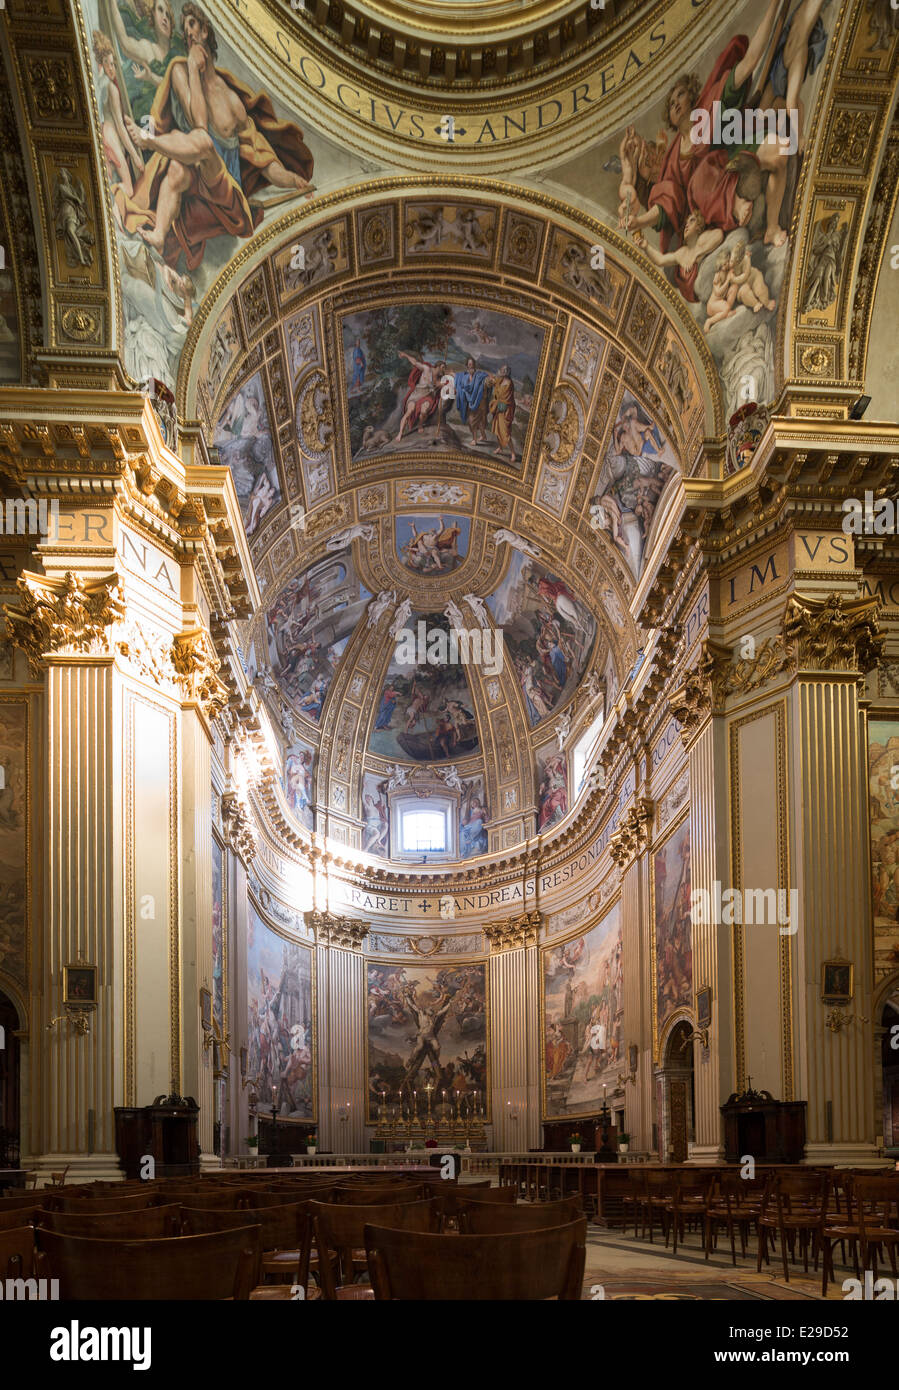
705, 1154
844, 1155
99, 1167
209, 1162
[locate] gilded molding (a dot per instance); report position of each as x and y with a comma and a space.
511, 933
196, 669
58, 615
834, 634
631, 839
331, 929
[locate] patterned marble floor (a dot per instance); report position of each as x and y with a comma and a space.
620, 1267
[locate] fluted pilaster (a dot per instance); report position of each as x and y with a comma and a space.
515, 1048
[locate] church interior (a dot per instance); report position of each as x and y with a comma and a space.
449, 666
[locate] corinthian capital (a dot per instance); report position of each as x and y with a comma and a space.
632, 836
834, 634
333, 930
196, 667
512, 932
237, 824
59, 615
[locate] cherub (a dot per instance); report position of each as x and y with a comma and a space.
748, 279
720, 304
699, 240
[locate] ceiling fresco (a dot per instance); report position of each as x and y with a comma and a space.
713, 214
474, 445
443, 399
185, 199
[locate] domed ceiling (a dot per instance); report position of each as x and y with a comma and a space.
453, 410
452, 461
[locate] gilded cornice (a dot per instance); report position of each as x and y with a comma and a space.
63, 616
513, 933
116, 450
330, 929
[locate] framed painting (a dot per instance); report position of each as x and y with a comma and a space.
837, 982
582, 1007
426, 1027
206, 1010
80, 985
704, 1007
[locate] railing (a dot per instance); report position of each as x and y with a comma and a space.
473, 1163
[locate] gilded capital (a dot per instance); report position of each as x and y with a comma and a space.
196, 669
333, 930
834, 634
632, 836
237, 825
55, 616
510, 933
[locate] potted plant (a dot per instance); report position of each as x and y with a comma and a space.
252, 1142
623, 1140
311, 1145
575, 1141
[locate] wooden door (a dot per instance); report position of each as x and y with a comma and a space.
677, 1110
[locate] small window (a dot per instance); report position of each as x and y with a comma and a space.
583, 749
424, 832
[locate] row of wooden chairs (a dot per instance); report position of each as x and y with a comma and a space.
128, 1253
805, 1211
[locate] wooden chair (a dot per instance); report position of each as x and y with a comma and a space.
657, 1193
524, 1265
285, 1232
93, 1206
21, 1201
877, 1213
230, 1199
20, 1216
17, 1253
273, 1199
340, 1231
633, 1197
149, 1224
223, 1265
500, 1218
689, 1201
735, 1203
794, 1205
58, 1179
374, 1196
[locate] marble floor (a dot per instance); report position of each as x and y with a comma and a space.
622, 1267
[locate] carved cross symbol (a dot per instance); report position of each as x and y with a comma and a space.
424, 905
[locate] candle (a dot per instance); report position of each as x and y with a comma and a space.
274, 1094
